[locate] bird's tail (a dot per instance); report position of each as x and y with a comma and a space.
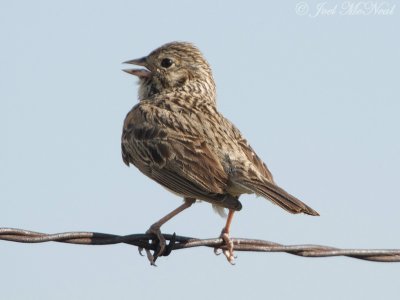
279, 196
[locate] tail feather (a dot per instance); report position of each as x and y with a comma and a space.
280, 197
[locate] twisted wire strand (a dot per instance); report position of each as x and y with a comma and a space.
183, 242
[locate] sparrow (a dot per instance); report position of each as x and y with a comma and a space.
176, 136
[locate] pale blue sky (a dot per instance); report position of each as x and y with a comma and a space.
318, 98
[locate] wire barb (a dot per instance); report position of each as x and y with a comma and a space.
182, 242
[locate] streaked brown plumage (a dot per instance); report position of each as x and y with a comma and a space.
176, 136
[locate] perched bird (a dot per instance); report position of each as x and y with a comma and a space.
176, 136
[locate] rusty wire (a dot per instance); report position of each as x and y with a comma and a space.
182, 242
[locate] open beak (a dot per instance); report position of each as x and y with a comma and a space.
141, 73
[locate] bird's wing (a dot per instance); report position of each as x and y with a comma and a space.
168, 148
248, 151
257, 178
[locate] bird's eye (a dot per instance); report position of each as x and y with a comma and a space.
166, 63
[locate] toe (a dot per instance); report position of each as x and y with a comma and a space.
217, 251
151, 258
170, 246
228, 252
140, 249
160, 248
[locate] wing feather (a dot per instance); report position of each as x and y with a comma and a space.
173, 153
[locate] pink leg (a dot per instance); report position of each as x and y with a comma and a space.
225, 236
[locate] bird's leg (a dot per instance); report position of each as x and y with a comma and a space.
155, 229
225, 236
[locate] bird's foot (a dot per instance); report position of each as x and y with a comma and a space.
228, 252
161, 245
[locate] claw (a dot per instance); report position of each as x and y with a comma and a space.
170, 246
161, 240
229, 254
151, 258
217, 251
161, 245
140, 249
230, 257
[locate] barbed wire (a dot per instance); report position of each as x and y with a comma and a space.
182, 242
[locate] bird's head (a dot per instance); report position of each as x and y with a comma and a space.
176, 66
